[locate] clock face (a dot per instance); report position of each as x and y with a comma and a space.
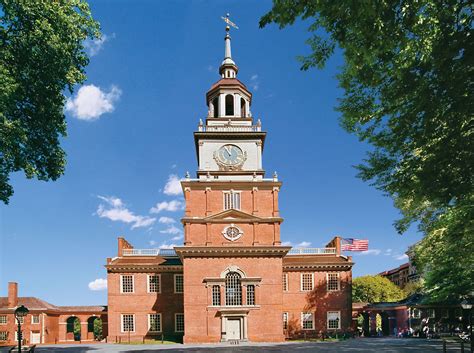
230, 155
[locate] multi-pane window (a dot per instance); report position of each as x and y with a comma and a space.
231, 200
334, 320
128, 323
285, 282
178, 283
415, 313
444, 313
216, 295
179, 322
332, 281
285, 321
431, 313
3, 319
3, 335
250, 294
307, 321
306, 281
126, 283
35, 319
154, 322
154, 284
233, 289
21, 319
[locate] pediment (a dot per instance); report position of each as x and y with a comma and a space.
233, 215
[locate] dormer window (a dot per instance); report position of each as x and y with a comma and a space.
229, 104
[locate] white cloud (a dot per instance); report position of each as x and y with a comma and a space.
167, 246
172, 206
115, 210
173, 186
152, 242
95, 45
286, 243
171, 230
388, 252
254, 82
401, 257
166, 220
370, 252
303, 244
178, 237
98, 284
91, 102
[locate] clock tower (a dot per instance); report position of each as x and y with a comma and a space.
232, 253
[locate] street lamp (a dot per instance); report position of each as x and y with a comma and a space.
20, 313
466, 305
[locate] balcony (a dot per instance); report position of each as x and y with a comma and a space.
229, 128
312, 251
149, 252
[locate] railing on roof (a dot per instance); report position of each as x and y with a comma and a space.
230, 128
148, 252
311, 251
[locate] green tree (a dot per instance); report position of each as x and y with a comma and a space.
414, 288
98, 329
41, 54
77, 327
372, 289
408, 88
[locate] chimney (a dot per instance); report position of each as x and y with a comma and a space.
12, 294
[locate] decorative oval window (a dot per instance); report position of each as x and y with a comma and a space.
232, 232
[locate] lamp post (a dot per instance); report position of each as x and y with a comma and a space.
20, 313
466, 305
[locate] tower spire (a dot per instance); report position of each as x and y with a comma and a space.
228, 68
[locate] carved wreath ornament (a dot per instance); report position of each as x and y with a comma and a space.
232, 232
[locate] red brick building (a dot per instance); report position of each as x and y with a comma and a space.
45, 322
232, 279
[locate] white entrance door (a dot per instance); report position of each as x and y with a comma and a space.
35, 338
233, 329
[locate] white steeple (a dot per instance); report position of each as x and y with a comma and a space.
228, 69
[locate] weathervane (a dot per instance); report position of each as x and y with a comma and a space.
229, 22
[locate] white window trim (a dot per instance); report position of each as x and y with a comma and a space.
121, 323
287, 315
338, 282
149, 322
6, 320
174, 287
176, 322
287, 287
121, 284
231, 192
35, 315
302, 326
6, 336
301, 282
338, 322
429, 311
148, 283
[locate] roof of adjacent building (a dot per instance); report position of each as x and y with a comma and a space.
395, 270
36, 304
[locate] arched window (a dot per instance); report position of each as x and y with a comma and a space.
233, 289
229, 104
243, 108
70, 323
215, 103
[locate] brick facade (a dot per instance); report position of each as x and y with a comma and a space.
46, 323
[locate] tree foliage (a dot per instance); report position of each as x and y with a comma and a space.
41, 54
373, 289
408, 82
98, 335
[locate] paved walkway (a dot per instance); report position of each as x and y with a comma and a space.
365, 345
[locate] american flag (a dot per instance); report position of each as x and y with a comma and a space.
351, 244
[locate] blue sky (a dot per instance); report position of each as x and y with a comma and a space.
130, 138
